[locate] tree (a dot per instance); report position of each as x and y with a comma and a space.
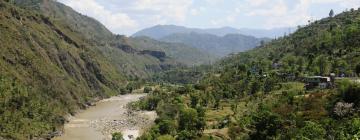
194, 99
331, 14
322, 65
266, 125
167, 127
357, 69
188, 119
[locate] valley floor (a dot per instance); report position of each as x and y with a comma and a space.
108, 116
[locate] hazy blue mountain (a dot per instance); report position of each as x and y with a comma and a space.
161, 31
216, 45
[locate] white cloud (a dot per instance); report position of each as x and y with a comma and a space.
128, 16
172, 9
257, 2
278, 13
214, 2
278, 8
115, 21
194, 12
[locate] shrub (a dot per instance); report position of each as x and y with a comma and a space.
123, 91
117, 136
311, 130
186, 135
266, 124
147, 89
167, 127
353, 128
166, 137
133, 86
350, 92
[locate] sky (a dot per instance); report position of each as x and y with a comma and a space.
128, 16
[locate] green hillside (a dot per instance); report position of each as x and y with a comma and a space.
46, 72
327, 46
260, 94
55, 61
115, 48
180, 52
127, 56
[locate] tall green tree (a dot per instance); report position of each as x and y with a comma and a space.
331, 14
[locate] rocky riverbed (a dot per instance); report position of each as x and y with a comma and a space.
108, 116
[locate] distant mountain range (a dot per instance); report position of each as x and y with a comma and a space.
215, 45
161, 31
219, 42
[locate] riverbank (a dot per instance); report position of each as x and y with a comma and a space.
106, 117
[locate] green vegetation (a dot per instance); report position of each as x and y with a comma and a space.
55, 61
182, 53
117, 136
147, 89
47, 72
53, 64
260, 94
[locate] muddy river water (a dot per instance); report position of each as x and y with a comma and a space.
108, 116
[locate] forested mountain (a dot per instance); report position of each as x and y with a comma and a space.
260, 94
217, 42
46, 72
160, 31
127, 59
215, 45
132, 62
180, 52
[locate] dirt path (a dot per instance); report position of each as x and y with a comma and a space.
108, 116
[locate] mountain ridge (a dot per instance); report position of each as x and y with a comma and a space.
160, 31
218, 46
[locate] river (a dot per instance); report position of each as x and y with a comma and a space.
108, 116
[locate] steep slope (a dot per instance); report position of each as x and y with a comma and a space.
130, 61
161, 31
180, 52
219, 46
89, 27
330, 45
46, 72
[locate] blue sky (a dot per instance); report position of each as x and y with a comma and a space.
129, 16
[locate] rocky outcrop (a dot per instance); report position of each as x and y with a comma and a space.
158, 54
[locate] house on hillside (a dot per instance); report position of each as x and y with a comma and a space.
318, 82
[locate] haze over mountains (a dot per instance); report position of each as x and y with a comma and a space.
219, 42
161, 31
218, 46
